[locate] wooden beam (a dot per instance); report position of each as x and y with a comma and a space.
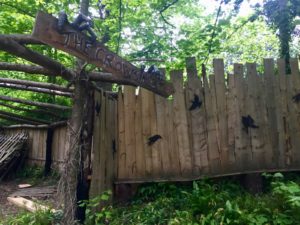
17, 119
33, 120
52, 125
39, 104
40, 111
36, 89
14, 48
24, 39
78, 44
31, 69
36, 84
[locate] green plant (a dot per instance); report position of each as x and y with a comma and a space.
37, 218
94, 213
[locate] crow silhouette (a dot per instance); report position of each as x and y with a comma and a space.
248, 122
196, 103
296, 98
153, 139
98, 108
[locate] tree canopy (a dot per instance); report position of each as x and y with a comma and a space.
162, 32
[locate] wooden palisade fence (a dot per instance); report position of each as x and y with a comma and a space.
207, 141
211, 140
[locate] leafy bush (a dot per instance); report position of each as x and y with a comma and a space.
37, 218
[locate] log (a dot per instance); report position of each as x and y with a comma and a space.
28, 102
35, 84
78, 44
52, 125
35, 89
31, 110
31, 69
27, 204
24, 39
23, 118
14, 48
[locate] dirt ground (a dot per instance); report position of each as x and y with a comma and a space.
9, 187
6, 208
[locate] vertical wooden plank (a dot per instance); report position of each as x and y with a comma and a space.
161, 115
242, 145
146, 130
140, 153
254, 110
95, 187
272, 106
196, 119
293, 109
285, 115
121, 152
156, 154
173, 147
109, 130
213, 148
222, 126
232, 117
181, 123
129, 114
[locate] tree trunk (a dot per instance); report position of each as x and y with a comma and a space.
73, 162
74, 180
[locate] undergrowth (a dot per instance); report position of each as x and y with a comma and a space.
205, 202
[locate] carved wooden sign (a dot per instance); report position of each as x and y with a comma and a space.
77, 43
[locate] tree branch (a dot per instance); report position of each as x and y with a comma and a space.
39, 104
12, 47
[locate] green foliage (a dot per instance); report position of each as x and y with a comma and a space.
35, 174
205, 202
211, 203
93, 216
42, 217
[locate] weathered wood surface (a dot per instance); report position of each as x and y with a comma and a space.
104, 143
211, 140
78, 44
36, 145
44, 192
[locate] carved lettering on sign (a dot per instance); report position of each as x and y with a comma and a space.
80, 45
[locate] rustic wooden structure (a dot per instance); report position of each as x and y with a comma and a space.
78, 44
11, 147
36, 144
206, 142
211, 140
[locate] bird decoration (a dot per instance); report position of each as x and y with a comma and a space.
153, 139
98, 108
296, 98
196, 103
248, 122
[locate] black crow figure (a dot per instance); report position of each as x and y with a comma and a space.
153, 139
296, 98
196, 103
248, 122
98, 108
